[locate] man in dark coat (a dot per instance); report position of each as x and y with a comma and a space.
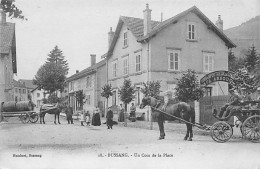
69, 113
109, 117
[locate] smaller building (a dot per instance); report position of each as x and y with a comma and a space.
38, 95
20, 92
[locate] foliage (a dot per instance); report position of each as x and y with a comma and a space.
81, 98
44, 100
56, 56
50, 77
188, 88
151, 88
10, 8
127, 92
107, 91
242, 80
251, 59
53, 98
234, 63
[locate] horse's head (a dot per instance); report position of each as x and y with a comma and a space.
145, 101
148, 101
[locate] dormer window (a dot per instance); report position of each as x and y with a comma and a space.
125, 39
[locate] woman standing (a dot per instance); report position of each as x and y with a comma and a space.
96, 117
82, 117
121, 116
109, 118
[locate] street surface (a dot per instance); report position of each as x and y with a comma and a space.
73, 146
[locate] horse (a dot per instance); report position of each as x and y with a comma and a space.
180, 109
50, 109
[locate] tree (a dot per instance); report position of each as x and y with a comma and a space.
10, 8
107, 92
50, 77
81, 98
56, 56
151, 88
251, 59
234, 63
126, 92
188, 88
242, 80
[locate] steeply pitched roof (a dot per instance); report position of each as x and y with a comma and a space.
8, 42
28, 83
86, 71
135, 25
18, 84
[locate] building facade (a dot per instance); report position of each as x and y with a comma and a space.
37, 96
90, 80
20, 92
8, 65
145, 50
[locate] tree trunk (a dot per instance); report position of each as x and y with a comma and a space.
125, 115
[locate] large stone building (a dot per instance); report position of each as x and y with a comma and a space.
8, 65
146, 50
90, 80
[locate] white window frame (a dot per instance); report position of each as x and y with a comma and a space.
138, 64
88, 82
88, 97
191, 31
125, 65
125, 38
208, 62
174, 61
114, 69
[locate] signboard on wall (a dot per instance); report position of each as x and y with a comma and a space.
222, 75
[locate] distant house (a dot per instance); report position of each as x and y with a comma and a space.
8, 65
90, 80
20, 92
38, 95
146, 50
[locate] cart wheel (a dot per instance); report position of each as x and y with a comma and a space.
25, 118
221, 131
34, 117
251, 128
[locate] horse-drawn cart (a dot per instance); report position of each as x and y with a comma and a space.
248, 120
22, 110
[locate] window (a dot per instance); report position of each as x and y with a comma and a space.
138, 63
174, 60
125, 65
114, 74
71, 86
20, 91
79, 85
16, 91
191, 31
125, 39
208, 91
208, 62
88, 99
114, 98
24, 91
38, 94
88, 82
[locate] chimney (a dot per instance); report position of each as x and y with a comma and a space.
147, 20
2, 16
110, 36
93, 59
77, 71
161, 17
219, 23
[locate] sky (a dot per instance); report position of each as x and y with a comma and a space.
79, 27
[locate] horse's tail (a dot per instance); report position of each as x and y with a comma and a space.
192, 113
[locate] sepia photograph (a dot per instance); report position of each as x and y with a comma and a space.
130, 84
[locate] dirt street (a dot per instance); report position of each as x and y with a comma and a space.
74, 146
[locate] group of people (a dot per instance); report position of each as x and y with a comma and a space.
132, 116
85, 116
234, 103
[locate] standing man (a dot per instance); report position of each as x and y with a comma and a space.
69, 113
109, 118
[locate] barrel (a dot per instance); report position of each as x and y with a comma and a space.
13, 106
24, 106
9, 106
